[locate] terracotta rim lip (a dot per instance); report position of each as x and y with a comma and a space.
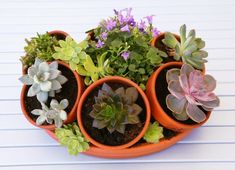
155, 39
156, 102
58, 32
120, 80
73, 110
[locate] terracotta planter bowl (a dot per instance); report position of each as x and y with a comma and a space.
71, 115
132, 152
157, 111
120, 80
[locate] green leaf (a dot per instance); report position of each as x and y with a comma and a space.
116, 43
154, 133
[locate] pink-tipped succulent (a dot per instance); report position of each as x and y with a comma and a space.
191, 93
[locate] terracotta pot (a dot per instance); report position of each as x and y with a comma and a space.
157, 111
61, 35
132, 152
71, 116
157, 42
117, 80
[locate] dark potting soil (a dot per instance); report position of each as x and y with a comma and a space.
159, 44
69, 91
102, 135
59, 36
162, 92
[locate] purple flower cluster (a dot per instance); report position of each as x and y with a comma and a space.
125, 22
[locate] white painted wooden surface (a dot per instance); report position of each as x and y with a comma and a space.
23, 146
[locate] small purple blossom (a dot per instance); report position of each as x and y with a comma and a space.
104, 35
155, 32
142, 25
125, 55
150, 19
124, 17
125, 29
110, 24
99, 44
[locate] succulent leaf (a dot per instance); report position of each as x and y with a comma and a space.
71, 137
188, 49
191, 91
45, 79
114, 109
154, 133
55, 113
41, 46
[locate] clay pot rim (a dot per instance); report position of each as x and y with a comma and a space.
69, 115
119, 80
156, 102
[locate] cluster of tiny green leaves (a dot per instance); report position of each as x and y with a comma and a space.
71, 137
41, 46
154, 133
143, 58
74, 53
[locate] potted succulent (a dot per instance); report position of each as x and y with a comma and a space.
50, 84
181, 97
185, 48
42, 47
121, 62
113, 113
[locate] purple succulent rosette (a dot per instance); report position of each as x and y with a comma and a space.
191, 93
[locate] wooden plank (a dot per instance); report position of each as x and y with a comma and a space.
127, 166
38, 138
58, 155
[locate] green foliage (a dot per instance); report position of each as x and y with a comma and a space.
114, 109
71, 52
74, 54
142, 59
93, 72
41, 47
154, 133
188, 49
71, 137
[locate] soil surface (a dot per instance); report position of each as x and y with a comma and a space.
162, 92
59, 36
159, 44
69, 91
102, 135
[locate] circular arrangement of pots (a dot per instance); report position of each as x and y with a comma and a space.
150, 102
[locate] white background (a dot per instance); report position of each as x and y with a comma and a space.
23, 146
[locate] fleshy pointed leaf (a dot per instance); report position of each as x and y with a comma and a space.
44, 67
175, 105
25, 79
42, 96
195, 113
175, 89
172, 75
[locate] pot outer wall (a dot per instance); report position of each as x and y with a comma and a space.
120, 80
70, 116
157, 111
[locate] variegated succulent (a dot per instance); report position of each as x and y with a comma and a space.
113, 109
188, 49
191, 93
54, 114
45, 79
